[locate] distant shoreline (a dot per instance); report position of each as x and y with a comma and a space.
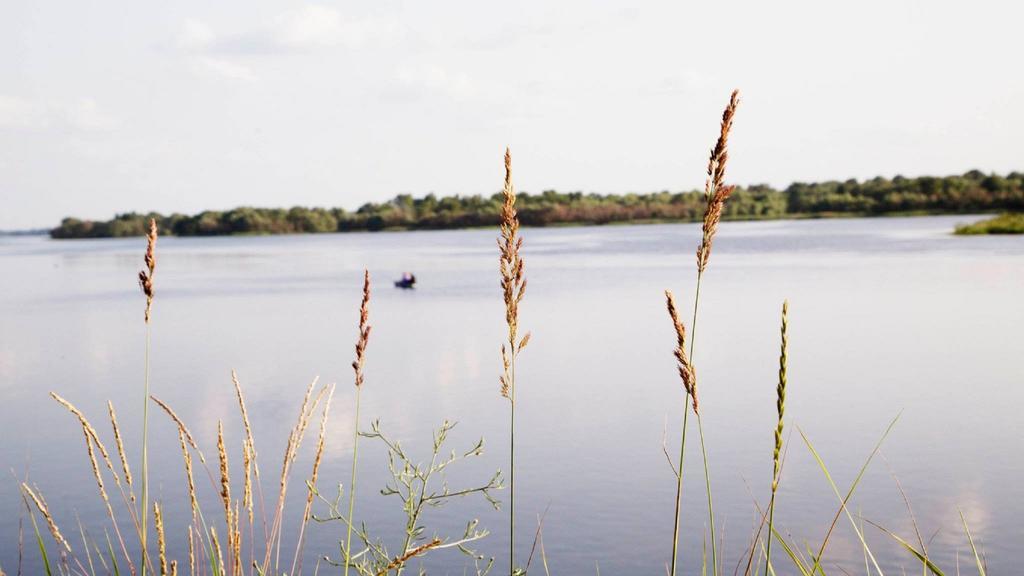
971, 193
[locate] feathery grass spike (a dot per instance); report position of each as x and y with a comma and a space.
357, 365
715, 190
513, 286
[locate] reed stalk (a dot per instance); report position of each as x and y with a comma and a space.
513, 285
715, 195
146, 283
357, 366
780, 405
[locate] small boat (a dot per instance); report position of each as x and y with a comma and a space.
406, 283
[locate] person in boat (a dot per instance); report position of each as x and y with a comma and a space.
408, 280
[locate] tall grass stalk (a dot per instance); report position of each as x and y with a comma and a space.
715, 194
146, 283
513, 285
780, 405
357, 366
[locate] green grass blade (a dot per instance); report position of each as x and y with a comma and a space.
790, 552
849, 494
920, 556
843, 500
113, 557
42, 545
974, 549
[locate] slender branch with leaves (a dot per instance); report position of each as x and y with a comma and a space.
419, 487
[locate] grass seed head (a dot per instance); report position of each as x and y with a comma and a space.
686, 371
146, 276
715, 190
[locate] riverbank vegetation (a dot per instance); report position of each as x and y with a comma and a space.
971, 192
1002, 224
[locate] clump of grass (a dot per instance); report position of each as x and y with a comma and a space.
513, 286
716, 192
1003, 224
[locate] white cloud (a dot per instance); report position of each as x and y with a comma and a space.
83, 115
225, 68
311, 26
456, 85
18, 113
308, 27
86, 115
196, 35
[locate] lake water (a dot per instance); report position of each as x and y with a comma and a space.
887, 317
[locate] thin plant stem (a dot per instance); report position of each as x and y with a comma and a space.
352, 484
512, 471
679, 485
144, 529
700, 429
771, 526
682, 443
711, 511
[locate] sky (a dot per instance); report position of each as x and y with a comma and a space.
109, 107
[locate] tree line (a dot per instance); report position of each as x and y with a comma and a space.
973, 191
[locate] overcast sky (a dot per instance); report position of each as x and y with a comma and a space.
183, 106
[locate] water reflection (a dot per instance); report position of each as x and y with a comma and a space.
887, 315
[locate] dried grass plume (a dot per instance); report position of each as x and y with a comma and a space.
715, 190
364, 330
146, 276
513, 281
686, 371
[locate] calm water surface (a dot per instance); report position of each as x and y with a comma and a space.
888, 317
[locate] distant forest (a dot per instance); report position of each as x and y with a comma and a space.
970, 192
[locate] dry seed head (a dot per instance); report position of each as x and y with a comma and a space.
319, 451
225, 481
146, 276
120, 450
247, 488
158, 521
37, 499
245, 413
216, 549
715, 190
191, 552
248, 449
96, 469
237, 547
364, 330
188, 471
513, 281
685, 367
90, 433
181, 426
